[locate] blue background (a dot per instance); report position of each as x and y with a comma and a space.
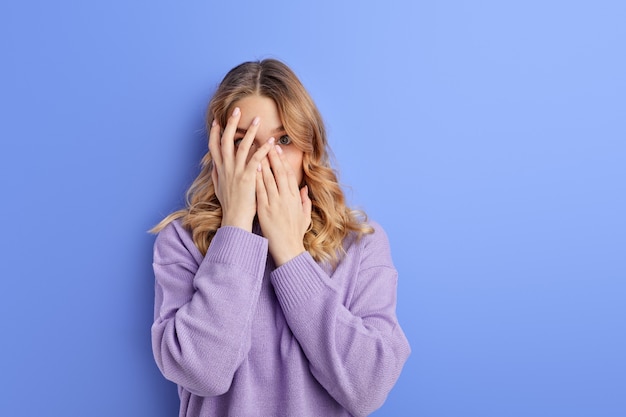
487, 137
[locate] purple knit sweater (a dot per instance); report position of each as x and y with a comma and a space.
243, 338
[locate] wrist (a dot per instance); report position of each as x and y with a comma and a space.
242, 223
284, 256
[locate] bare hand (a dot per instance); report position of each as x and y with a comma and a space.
284, 210
234, 172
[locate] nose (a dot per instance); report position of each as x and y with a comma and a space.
254, 146
258, 142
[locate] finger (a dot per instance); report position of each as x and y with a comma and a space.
255, 161
276, 164
214, 143
214, 178
246, 143
307, 204
304, 195
285, 177
268, 179
261, 192
228, 137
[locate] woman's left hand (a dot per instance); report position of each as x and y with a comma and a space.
283, 209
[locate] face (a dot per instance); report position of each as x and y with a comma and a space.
270, 126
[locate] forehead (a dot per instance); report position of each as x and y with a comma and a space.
263, 107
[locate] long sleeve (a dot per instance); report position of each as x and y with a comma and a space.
354, 344
204, 306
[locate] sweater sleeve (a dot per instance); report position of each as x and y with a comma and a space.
356, 352
204, 306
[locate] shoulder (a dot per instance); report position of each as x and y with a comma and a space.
372, 248
174, 244
377, 239
379, 234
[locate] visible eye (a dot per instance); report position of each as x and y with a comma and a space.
284, 140
238, 141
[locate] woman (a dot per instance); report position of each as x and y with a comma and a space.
272, 297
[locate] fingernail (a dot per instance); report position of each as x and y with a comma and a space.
259, 168
236, 111
256, 121
213, 123
271, 140
279, 149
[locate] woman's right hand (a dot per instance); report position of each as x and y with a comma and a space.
234, 171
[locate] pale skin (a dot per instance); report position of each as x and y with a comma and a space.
257, 172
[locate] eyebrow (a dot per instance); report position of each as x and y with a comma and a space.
279, 129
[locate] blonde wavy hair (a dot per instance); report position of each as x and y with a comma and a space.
331, 220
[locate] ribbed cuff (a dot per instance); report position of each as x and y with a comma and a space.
297, 281
234, 246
